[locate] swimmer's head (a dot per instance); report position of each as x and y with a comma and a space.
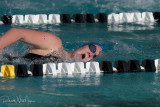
87, 52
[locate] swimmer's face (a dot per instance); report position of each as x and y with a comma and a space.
85, 53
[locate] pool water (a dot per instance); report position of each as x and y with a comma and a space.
121, 41
123, 89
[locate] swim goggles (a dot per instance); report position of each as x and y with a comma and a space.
92, 47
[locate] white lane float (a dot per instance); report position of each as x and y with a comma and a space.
54, 18
126, 17
113, 18
147, 17
49, 68
17, 19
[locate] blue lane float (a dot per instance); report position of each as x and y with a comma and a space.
120, 66
133, 17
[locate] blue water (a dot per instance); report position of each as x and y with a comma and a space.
121, 41
115, 90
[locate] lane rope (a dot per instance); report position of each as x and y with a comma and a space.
133, 17
119, 66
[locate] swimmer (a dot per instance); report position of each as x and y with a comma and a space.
45, 44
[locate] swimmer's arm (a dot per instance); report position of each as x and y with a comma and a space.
9, 38
42, 52
38, 39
